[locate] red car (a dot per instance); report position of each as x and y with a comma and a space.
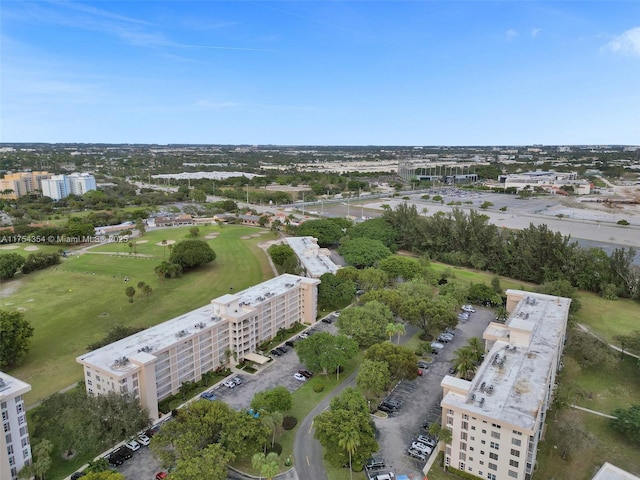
419, 372
161, 475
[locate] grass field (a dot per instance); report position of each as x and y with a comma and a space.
75, 303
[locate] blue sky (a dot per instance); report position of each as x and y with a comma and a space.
320, 73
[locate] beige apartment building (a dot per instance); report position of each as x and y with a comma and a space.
497, 419
152, 364
15, 448
21, 183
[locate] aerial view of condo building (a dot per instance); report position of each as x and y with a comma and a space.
497, 419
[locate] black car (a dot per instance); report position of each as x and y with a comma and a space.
289, 343
327, 320
123, 452
375, 463
276, 352
282, 350
386, 408
115, 460
77, 475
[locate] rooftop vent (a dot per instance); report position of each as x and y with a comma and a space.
482, 401
145, 349
119, 362
181, 333
199, 325
288, 285
489, 389
2, 384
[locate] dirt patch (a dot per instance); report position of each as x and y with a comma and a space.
139, 242
9, 247
8, 288
31, 248
246, 237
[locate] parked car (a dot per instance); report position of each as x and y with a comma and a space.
303, 335
237, 380
421, 447
386, 408
143, 439
463, 316
132, 445
427, 440
77, 475
375, 463
208, 396
282, 349
115, 460
229, 383
328, 319
436, 347
419, 372
468, 308
300, 377
416, 454
305, 373
289, 343
444, 338
123, 453
276, 352
423, 364
161, 475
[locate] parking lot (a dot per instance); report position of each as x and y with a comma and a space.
420, 400
280, 371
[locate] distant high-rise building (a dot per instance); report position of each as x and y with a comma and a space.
60, 186
16, 185
15, 448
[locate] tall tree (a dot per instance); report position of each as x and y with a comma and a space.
325, 352
9, 265
15, 337
277, 399
267, 465
400, 359
373, 377
210, 462
366, 325
130, 292
363, 252
349, 439
430, 315
191, 253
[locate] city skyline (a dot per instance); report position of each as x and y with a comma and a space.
320, 73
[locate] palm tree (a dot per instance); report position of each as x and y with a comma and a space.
477, 348
400, 330
349, 440
273, 420
130, 292
465, 362
267, 465
390, 330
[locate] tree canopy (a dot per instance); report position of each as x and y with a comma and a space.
278, 399
400, 359
627, 422
9, 265
15, 337
363, 252
376, 229
191, 253
324, 352
326, 231
366, 324
335, 291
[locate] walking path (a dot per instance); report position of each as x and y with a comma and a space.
614, 347
593, 411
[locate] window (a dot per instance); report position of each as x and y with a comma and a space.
465, 416
493, 466
495, 435
514, 463
493, 456
465, 425
23, 431
25, 441
450, 421
8, 438
10, 449
461, 466
463, 456
483, 442
491, 476
473, 427
463, 446
495, 445
5, 415
484, 431
513, 474
515, 453
463, 435
21, 419
495, 425
89, 382
515, 432
516, 442
471, 449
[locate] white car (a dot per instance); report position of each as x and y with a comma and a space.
421, 447
229, 383
132, 445
143, 439
304, 335
468, 308
299, 376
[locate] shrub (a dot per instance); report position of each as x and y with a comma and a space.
622, 222
288, 423
318, 387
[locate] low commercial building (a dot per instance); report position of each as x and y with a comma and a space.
497, 419
314, 260
15, 447
153, 364
552, 182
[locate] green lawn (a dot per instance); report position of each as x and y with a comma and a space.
75, 303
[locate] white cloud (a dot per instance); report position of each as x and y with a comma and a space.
535, 32
627, 43
511, 34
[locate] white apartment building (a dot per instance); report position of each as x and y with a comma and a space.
15, 449
314, 260
497, 419
154, 363
61, 186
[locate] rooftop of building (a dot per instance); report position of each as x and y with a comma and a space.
115, 357
510, 384
611, 472
11, 387
310, 256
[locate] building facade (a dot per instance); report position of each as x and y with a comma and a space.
153, 364
15, 448
551, 182
497, 419
61, 186
19, 184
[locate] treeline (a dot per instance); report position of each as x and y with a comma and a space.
534, 254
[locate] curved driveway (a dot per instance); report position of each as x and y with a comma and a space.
306, 449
